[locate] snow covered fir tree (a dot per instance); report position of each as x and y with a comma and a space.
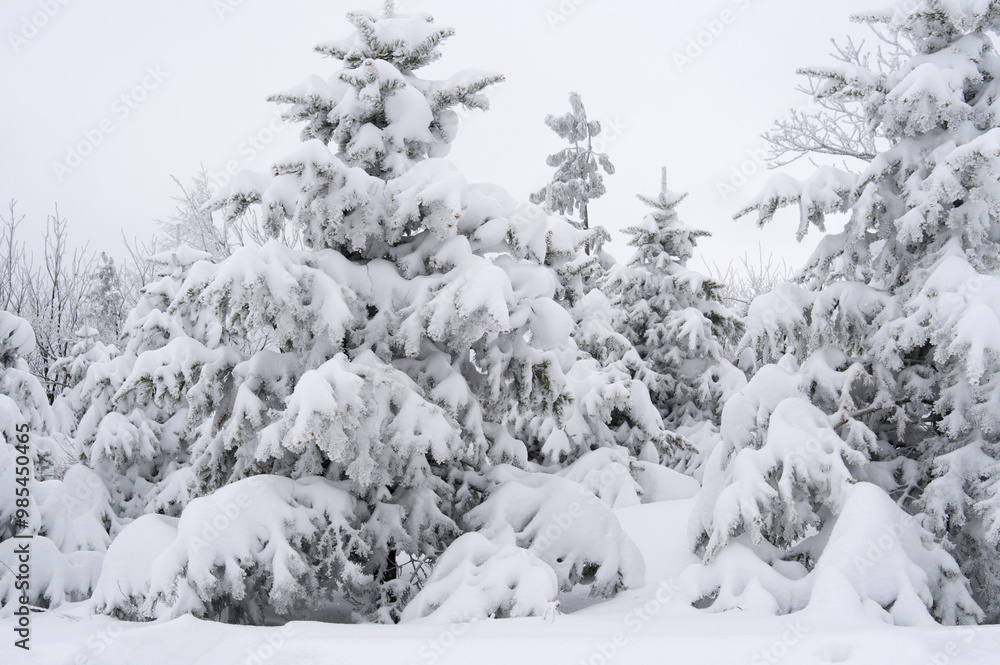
345, 403
359, 388
577, 180
882, 359
674, 318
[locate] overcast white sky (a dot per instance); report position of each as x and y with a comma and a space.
195, 75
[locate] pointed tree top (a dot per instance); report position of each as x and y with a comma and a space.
661, 238
577, 179
666, 200
407, 41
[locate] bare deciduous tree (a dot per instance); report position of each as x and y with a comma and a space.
69, 290
194, 225
748, 278
837, 127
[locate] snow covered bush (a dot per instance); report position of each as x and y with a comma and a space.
25, 418
785, 484
895, 327
565, 525
900, 568
56, 577
877, 560
539, 533
24, 406
69, 517
261, 544
483, 578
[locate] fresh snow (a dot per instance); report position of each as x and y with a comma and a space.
384, 396
652, 623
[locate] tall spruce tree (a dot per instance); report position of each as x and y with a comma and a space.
371, 378
895, 332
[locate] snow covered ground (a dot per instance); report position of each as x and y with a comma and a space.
644, 625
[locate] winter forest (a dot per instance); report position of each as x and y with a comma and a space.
358, 408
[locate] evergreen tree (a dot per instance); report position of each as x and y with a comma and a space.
64, 510
105, 303
418, 337
26, 414
87, 350
674, 316
577, 179
135, 430
896, 333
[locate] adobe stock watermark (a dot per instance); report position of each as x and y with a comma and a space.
781, 305
248, 149
777, 650
885, 542
225, 516
611, 130
711, 30
634, 621
431, 651
273, 643
756, 159
561, 523
33, 24
954, 647
740, 174
224, 8
121, 109
97, 644
559, 14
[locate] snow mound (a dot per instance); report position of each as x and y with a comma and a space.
262, 543
56, 577
567, 527
479, 578
889, 558
124, 579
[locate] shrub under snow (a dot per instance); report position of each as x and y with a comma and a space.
56, 577
259, 544
479, 578
564, 525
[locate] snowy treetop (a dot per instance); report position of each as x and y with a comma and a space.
408, 41
932, 24
379, 115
